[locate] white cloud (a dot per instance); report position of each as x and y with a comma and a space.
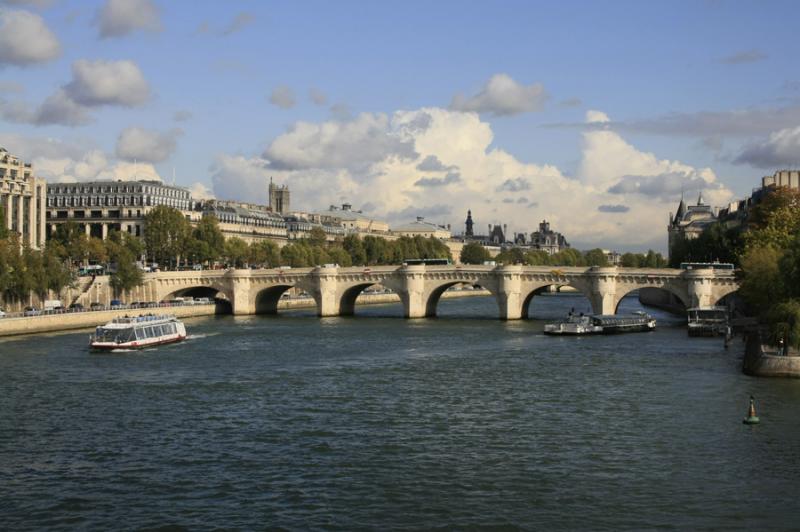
118, 18
59, 108
25, 39
596, 117
107, 83
11, 87
200, 191
502, 96
780, 149
282, 96
139, 144
182, 116
357, 143
386, 163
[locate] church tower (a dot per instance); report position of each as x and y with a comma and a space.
278, 198
469, 224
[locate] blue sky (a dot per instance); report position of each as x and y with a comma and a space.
686, 95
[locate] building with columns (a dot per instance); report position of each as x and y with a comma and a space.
22, 196
99, 207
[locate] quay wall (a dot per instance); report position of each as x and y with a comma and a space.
764, 361
84, 320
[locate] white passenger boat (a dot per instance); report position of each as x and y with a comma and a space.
573, 325
138, 332
707, 321
602, 324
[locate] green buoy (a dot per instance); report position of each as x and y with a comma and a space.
752, 418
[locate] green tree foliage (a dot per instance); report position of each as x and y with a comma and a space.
715, 243
354, 247
510, 256
761, 281
27, 271
3, 228
474, 253
317, 237
537, 257
127, 274
264, 253
237, 252
208, 242
166, 235
784, 322
595, 257
631, 260
775, 221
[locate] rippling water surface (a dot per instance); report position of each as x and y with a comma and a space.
379, 422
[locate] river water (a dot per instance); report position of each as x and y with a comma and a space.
374, 421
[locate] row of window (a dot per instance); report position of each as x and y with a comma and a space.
167, 192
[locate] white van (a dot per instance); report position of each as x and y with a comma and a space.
52, 304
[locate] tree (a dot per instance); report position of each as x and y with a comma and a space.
353, 245
338, 255
3, 229
595, 257
510, 256
127, 275
568, 257
317, 237
211, 240
761, 283
264, 253
236, 251
474, 253
631, 260
166, 234
295, 255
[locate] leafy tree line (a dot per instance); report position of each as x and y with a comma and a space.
475, 253
769, 258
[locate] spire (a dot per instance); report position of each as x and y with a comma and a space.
700, 198
681, 210
469, 224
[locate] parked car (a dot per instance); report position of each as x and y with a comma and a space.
202, 301
31, 311
96, 306
76, 307
2, 313
116, 304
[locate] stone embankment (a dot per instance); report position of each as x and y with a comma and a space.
765, 361
84, 320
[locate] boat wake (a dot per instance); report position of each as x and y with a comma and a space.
200, 336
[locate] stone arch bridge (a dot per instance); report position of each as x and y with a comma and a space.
419, 287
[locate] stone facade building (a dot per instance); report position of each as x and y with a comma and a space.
99, 207
420, 227
548, 240
23, 197
279, 198
247, 221
689, 221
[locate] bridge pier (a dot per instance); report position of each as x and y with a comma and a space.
509, 292
326, 293
603, 290
413, 295
241, 302
699, 287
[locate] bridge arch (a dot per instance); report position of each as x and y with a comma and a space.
527, 300
719, 295
681, 295
434, 293
214, 293
266, 300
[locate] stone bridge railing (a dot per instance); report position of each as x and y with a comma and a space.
419, 287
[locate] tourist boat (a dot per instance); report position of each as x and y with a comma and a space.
138, 332
602, 324
707, 321
573, 325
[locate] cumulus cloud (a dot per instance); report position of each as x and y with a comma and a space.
317, 97
502, 96
356, 143
118, 18
596, 117
200, 191
107, 83
239, 22
449, 179
613, 208
139, 144
282, 96
25, 39
94, 84
376, 159
746, 56
67, 161
780, 149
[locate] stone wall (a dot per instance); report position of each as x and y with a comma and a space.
764, 361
